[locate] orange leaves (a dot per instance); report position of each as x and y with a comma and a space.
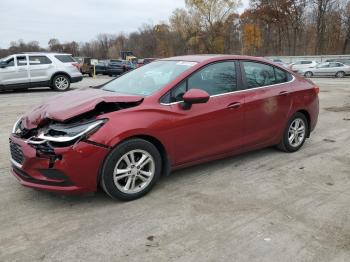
251, 38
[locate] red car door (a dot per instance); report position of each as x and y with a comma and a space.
211, 128
267, 103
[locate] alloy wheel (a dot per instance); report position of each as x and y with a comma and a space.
61, 83
308, 74
134, 171
296, 132
340, 74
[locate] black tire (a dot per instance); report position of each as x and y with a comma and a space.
308, 74
56, 80
116, 155
340, 74
285, 144
91, 74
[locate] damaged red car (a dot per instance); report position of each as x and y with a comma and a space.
166, 115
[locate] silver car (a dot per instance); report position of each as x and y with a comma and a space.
28, 70
334, 69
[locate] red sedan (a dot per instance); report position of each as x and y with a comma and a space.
166, 115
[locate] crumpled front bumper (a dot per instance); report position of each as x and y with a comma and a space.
72, 169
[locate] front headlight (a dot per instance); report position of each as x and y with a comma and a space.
16, 129
63, 133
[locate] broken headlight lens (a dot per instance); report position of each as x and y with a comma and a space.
63, 133
16, 129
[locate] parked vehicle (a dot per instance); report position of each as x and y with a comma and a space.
301, 65
101, 67
166, 115
279, 62
145, 61
139, 63
125, 54
28, 70
118, 67
334, 69
340, 60
85, 66
129, 65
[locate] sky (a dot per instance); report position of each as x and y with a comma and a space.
79, 20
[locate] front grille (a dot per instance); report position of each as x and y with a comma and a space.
16, 152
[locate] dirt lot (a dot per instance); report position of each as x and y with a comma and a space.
261, 206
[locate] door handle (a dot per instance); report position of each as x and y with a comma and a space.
283, 93
234, 105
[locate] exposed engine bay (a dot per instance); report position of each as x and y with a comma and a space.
50, 133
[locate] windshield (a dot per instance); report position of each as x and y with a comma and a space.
148, 79
5, 58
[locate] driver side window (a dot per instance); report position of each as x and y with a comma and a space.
10, 62
217, 78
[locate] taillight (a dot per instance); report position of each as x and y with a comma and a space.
77, 65
317, 89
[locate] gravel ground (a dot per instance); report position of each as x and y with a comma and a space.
261, 206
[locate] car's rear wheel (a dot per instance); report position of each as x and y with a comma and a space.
295, 133
131, 170
308, 74
60, 83
340, 74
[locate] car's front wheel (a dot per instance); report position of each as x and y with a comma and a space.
60, 83
131, 169
295, 133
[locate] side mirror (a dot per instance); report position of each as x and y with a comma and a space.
3, 64
194, 96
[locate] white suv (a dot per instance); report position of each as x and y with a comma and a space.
302, 65
27, 70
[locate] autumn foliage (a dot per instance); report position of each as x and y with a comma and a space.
266, 27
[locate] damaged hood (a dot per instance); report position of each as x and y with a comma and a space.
68, 105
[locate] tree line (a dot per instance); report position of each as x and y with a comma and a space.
266, 27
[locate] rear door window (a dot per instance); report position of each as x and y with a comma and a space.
39, 60
281, 76
259, 74
335, 65
65, 58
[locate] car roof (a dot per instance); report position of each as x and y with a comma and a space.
211, 57
42, 53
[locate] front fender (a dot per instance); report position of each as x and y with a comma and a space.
124, 125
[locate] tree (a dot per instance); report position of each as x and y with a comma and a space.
55, 45
212, 15
104, 42
346, 23
322, 8
251, 39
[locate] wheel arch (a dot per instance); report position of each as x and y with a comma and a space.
308, 118
340, 71
166, 163
59, 73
